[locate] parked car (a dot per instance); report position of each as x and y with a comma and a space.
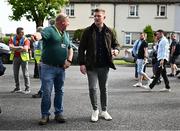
75, 54
5, 53
129, 58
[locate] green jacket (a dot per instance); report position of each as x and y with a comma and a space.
55, 46
87, 47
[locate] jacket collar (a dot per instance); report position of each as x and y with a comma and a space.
94, 27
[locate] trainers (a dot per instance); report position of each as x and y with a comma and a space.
105, 115
44, 120
16, 90
147, 87
139, 84
95, 115
170, 75
59, 118
150, 81
38, 95
27, 91
165, 90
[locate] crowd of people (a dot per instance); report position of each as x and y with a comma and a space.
163, 51
53, 54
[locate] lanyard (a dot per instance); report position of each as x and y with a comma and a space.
58, 32
62, 38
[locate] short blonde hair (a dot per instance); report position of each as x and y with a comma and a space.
99, 10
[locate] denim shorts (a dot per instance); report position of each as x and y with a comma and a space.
140, 66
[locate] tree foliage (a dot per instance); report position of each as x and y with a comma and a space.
150, 35
35, 10
78, 34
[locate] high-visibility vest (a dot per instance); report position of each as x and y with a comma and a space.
37, 50
24, 55
37, 55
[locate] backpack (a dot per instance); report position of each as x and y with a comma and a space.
177, 51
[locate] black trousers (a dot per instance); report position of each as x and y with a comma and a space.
160, 71
36, 70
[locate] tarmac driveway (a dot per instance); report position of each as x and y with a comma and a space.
131, 108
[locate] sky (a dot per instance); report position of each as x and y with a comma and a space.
8, 26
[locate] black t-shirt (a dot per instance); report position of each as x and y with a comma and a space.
173, 43
141, 49
101, 50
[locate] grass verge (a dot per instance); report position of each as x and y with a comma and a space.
122, 62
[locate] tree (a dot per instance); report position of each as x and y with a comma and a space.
35, 10
150, 35
77, 34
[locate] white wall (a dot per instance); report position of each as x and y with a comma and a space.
147, 16
82, 17
177, 18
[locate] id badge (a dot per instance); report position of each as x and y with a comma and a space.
63, 45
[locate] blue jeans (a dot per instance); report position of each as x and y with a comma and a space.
52, 76
39, 71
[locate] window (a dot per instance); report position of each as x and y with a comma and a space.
128, 38
70, 10
131, 37
161, 10
93, 7
133, 11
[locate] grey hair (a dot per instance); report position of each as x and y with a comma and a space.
61, 17
39, 29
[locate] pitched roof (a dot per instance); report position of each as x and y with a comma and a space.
127, 1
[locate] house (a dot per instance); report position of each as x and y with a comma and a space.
127, 17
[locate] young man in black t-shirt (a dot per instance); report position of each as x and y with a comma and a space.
173, 56
142, 54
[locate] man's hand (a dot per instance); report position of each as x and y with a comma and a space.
36, 36
83, 69
162, 63
145, 60
16, 48
114, 52
67, 64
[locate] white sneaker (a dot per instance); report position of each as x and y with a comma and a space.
165, 90
139, 84
106, 115
95, 115
150, 81
26, 91
146, 87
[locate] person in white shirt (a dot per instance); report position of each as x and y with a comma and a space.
162, 57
